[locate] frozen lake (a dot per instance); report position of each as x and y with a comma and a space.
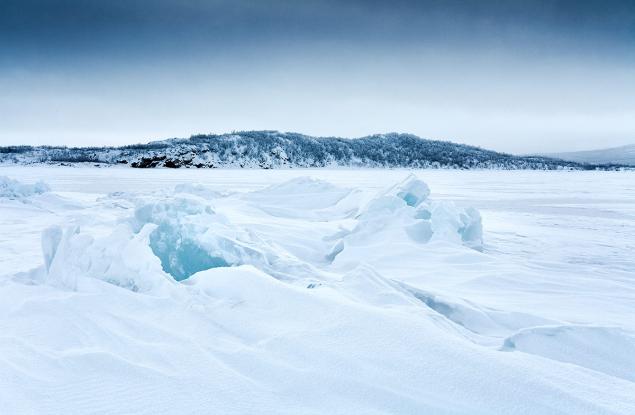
571, 217
318, 296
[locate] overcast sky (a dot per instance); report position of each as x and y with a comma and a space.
518, 75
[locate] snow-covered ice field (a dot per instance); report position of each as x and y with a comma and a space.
316, 292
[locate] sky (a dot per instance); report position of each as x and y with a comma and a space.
521, 76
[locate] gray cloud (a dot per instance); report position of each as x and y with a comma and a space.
519, 76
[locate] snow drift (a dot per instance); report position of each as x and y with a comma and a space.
303, 297
13, 189
606, 349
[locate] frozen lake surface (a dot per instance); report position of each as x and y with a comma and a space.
317, 291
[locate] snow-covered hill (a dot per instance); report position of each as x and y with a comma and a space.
614, 155
273, 149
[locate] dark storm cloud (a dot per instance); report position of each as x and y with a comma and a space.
85, 27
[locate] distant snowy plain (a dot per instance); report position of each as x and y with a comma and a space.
316, 291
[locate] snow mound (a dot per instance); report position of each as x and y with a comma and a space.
605, 349
303, 192
366, 285
198, 190
249, 286
474, 318
13, 189
306, 198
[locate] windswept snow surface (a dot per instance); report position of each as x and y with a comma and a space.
316, 292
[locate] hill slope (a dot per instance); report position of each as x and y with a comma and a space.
617, 155
272, 149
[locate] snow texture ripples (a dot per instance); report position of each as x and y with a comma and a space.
303, 297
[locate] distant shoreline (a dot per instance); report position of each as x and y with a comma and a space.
276, 150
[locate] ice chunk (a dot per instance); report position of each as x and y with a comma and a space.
181, 256
419, 231
412, 191
446, 222
189, 237
453, 224
381, 206
183, 236
404, 210
51, 239
122, 258
471, 229
13, 189
423, 212
172, 209
166, 239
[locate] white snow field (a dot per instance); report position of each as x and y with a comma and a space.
127, 291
